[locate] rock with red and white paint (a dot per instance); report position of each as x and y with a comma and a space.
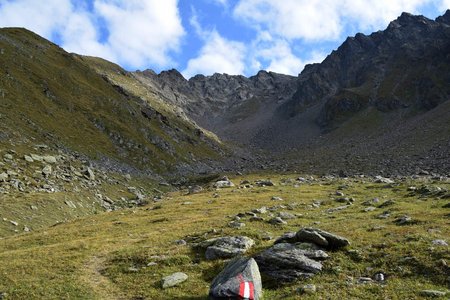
239, 280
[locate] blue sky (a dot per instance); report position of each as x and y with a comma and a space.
208, 36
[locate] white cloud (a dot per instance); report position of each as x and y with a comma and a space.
140, 33
33, 15
313, 20
218, 55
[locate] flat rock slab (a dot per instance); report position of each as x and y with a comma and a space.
226, 247
287, 262
321, 238
240, 279
173, 280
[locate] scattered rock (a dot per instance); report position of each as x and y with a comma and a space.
240, 279
370, 208
261, 210
404, 220
440, 243
308, 289
14, 223
288, 237
195, 189
180, 242
173, 280
223, 184
286, 262
8, 156
363, 280
226, 247
36, 157
28, 158
49, 159
89, 174
236, 224
3, 177
321, 238
387, 203
380, 179
47, 170
262, 183
277, 221
286, 215
276, 198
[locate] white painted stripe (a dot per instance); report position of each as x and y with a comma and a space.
246, 290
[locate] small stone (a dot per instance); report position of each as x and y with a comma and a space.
370, 208
14, 223
277, 221
339, 193
363, 280
173, 280
28, 158
36, 157
195, 189
181, 242
4, 176
432, 293
276, 198
236, 224
387, 203
49, 159
440, 243
47, 170
8, 157
26, 229
379, 277
404, 220
286, 215
223, 184
261, 210
308, 289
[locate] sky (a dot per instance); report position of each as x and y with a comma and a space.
208, 36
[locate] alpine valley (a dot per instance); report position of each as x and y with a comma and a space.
138, 185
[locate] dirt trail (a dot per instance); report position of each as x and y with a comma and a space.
100, 284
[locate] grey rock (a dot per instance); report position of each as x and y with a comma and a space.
404, 220
370, 208
276, 198
195, 189
286, 262
36, 157
227, 284
286, 215
89, 174
261, 210
28, 158
387, 203
236, 224
262, 183
223, 184
308, 289
4, 176
288, 237
8, 156
380, 179
49, 159
440, 243
226, 247
173, 280
47, 170
277, 221
321, 238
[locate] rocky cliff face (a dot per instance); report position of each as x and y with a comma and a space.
361, 106
231, 106
407, 65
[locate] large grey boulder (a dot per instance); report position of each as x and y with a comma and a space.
287, 262
226, 247
321, 238
240, 279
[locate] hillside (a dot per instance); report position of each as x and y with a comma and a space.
94, 108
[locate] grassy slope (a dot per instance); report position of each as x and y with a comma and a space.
106, 256
49, 95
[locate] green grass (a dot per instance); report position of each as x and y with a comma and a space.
105, 256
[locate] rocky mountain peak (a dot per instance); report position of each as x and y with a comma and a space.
407, 19
445, 18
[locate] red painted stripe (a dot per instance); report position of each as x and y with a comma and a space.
241, 290
252, 290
